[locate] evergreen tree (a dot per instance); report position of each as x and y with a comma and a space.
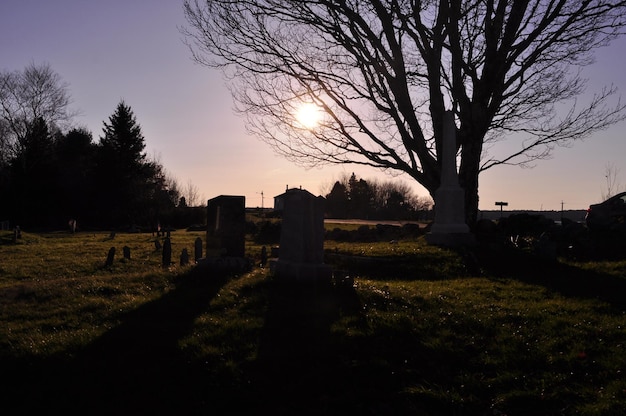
122, 170
75, 153
337, 201
133, 190
123, 140
361, 198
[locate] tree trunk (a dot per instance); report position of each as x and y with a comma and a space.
468, 179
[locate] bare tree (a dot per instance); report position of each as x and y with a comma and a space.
191, 194
398, 191
35, 93
383, 72
612, 185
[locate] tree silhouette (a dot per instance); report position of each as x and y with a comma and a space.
337, 201
76, 158
384, 72
34, 175
37, 92
123, 173
48, 177
361, 197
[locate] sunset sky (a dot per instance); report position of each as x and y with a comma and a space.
133, 50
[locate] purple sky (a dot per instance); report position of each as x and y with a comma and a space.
132, 50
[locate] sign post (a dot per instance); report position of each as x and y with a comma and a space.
502, 204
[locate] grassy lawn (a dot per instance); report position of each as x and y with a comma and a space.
421, 331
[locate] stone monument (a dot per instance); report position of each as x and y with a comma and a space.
226, 226
301, 250
449, 227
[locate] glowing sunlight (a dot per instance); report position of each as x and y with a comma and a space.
308, 115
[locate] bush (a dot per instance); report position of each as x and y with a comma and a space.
268, 232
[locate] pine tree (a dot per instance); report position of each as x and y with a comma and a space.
123, 171
337, 201
124, 141
75, 153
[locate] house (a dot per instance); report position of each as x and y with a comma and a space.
279, 200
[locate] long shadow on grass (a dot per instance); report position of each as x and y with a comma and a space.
135, 368
402, 267
300, 363
307, 365
554, 275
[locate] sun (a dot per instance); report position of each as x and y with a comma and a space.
309, 115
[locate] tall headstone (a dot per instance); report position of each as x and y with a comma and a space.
301, 255
449, 227
226, 226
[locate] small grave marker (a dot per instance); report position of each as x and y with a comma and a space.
110, 257
167, 252
197, 253
263, 256
184, 257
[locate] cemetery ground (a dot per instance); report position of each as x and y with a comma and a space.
406, 328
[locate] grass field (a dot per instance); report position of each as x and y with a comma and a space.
422, 331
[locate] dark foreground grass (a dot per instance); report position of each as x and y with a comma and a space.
421, 331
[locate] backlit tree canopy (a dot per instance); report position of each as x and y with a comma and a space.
384, 72
36, 93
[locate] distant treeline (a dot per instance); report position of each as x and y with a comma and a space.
352, 197
48, 178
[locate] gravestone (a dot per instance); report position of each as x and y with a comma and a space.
263, 256
167, 252
184, 257
110, 257
226, 226
17, 233
197, 249
301, 249
449, 227
126, 250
